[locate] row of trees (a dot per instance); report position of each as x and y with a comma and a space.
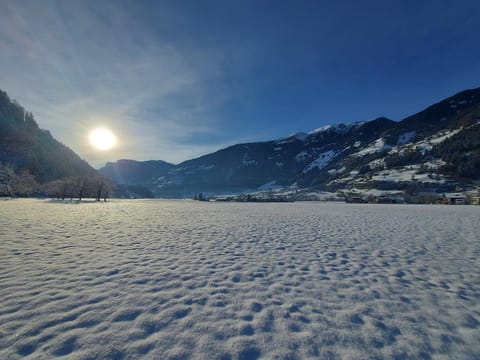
23, 184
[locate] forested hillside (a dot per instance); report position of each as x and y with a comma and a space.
28, 148
33, 162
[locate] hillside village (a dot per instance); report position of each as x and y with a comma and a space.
461, 197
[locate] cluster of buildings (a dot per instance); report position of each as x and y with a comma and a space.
460, 197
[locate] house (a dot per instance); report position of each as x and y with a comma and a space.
474, 197
396, 198
357, 199
454, 199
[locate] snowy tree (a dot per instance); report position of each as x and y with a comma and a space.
7, 179
25, 184
11, 183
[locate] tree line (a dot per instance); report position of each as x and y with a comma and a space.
24, 184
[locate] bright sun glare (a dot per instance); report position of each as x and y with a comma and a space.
102, 139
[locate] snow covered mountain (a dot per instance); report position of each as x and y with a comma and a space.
435, 148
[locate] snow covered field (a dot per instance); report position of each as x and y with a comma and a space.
192, 280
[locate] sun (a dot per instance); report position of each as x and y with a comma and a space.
102, 139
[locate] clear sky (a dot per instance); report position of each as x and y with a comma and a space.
178, 79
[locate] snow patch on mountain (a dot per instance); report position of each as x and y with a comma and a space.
271, 185
405, 174
434, 164
300, 136
423, 146
337, 171
247, 162
340, 128
376, 146
322, 161
377, 163
428, 143
443, 135
320, 129
301, 156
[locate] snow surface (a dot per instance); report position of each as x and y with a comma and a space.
193, 280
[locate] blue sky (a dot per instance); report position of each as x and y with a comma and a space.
178, 79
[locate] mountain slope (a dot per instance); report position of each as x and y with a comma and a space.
27, 147
131, 172
433, 148
265, 164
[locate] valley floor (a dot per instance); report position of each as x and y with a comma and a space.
193, 280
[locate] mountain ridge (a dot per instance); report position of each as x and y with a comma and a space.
341, 155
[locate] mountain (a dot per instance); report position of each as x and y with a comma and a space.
26, 147
435, 149
131, 172
263, 165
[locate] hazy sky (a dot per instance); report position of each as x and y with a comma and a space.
177, 79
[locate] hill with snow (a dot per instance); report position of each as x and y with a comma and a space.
437, 148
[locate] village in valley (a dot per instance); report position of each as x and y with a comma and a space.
461, 196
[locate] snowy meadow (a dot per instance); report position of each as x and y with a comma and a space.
162, 279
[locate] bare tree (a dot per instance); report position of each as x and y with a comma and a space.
25, 184
81, 185
103, 188
55, 188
